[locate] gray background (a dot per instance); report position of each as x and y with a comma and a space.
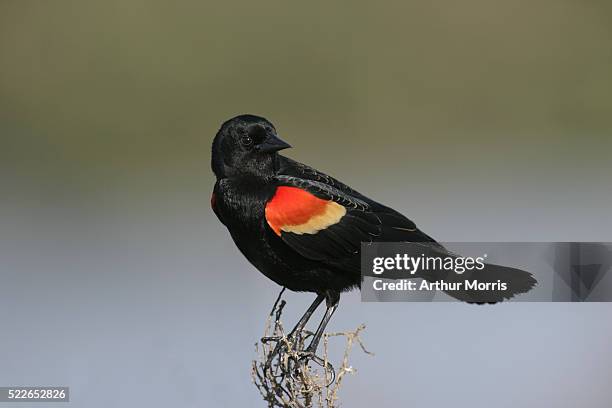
481, 120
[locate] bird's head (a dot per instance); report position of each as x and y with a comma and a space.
246, 145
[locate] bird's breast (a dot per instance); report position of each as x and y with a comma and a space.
241, 204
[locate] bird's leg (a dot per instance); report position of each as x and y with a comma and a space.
301, 323
293, 334
304, 319
331, 300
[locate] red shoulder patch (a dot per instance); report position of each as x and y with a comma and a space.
292, 209
213, 201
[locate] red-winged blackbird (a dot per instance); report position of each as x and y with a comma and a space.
302, 228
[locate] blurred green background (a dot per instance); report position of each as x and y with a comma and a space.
481, 120
106, 89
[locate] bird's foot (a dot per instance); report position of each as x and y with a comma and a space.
283, 345
309, 355
287, 353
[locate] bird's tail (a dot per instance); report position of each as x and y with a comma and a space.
492, 284
487, 283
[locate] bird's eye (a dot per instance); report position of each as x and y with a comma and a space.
246, 141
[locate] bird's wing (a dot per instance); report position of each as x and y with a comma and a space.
294, 168
325, 224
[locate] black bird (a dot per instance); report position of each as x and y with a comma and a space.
302, 228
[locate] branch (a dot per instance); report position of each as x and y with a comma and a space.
286, 377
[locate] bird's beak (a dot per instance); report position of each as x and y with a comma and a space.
273, 143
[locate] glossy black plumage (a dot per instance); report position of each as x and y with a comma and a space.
249, 171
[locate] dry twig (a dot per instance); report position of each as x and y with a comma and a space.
286, 377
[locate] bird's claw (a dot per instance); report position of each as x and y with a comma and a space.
301, 356
309, 355
282, 345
